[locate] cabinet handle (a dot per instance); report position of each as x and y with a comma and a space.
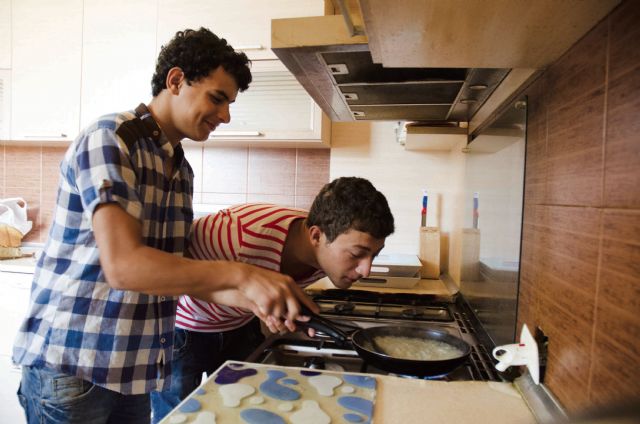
250, 47
45, 136
219, 134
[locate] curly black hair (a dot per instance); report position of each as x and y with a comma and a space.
351, 203
198, 53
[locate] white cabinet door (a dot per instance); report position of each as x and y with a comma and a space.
118, 56
5, 34
274, 111
46, 48
5, 103
245, 24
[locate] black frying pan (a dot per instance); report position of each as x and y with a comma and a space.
362, 341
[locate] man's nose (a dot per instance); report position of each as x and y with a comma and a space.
364, 267
224, 114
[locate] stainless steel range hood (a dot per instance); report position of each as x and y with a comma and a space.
348, 85
427, 60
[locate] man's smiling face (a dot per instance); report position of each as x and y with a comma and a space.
202, 105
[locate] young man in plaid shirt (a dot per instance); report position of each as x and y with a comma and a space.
98, 336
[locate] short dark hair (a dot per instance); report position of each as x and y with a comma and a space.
198, 53
351, 203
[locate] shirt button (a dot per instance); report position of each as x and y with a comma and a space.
163, 340
156, 133
162, 298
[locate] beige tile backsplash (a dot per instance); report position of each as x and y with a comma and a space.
223, 176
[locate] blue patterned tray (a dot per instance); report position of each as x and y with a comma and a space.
241, 392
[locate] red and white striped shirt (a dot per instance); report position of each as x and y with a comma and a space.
252, 233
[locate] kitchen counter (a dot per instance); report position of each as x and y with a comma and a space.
404, 400
397, 400
26, 265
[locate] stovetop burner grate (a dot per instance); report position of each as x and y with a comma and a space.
366, 296
347, 309
464, 324
481, 366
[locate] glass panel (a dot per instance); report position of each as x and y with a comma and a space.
493, 190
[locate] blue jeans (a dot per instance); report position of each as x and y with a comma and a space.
49, 396
195, 353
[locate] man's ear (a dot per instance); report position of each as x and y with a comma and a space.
315, 235
175, 78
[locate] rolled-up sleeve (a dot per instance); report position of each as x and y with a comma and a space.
104, 173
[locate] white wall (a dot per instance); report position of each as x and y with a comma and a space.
370, 150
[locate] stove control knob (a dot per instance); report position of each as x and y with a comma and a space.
314, 362
344, 308
412, 312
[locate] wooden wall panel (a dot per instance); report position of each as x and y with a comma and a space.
580, 278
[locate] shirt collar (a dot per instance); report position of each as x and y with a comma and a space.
155, 132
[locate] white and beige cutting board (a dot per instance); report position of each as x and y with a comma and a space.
401, 400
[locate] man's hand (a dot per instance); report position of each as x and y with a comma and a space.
130, 265
273, 297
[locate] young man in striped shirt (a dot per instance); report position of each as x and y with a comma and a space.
98, 336
341, 234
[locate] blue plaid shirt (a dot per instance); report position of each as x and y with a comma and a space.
77, 323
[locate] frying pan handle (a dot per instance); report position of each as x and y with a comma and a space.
321, 324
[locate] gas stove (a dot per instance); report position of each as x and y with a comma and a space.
353, 309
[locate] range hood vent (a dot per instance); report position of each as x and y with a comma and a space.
348, 86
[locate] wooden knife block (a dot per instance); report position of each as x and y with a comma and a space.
470, 254
430, 252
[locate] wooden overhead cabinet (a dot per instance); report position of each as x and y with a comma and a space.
477, 34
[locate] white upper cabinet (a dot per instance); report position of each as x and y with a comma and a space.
118, 56
46, 67
245, 24
5, 104
71, 61
5, 34
276, 110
